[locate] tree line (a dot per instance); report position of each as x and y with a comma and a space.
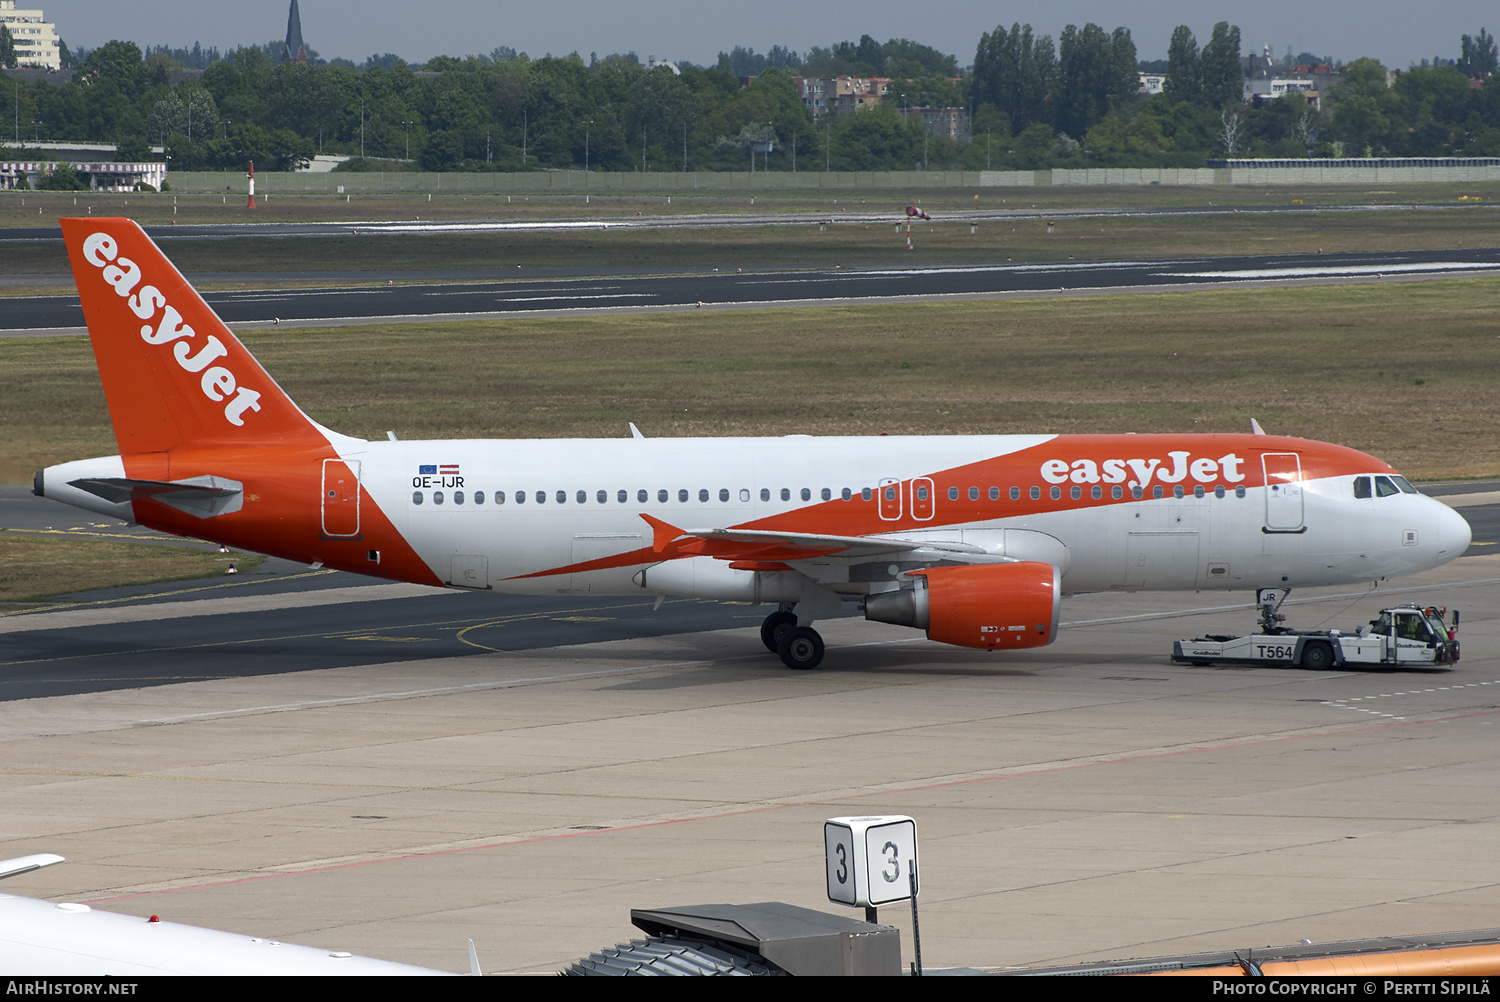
1033, 102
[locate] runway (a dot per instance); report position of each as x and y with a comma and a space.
353, 774
839, 212
486, 295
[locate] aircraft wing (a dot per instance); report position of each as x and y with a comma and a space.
777, 545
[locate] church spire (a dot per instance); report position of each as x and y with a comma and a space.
296, 51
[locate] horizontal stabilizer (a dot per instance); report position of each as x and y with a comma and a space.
201, 497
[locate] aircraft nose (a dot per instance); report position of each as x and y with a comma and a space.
1454, 533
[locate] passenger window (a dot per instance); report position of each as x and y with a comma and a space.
1137, 493
866, 494
1157, 491
786, 494
583, 497
826, 494
499, 497
890, 493
703, 494
479, 497
921, 493
416, 497
1057, 493
603, 497
953, 494
437, 497
765, 493
1177, 490
846, 494
541, 497
641, 496
1218, 490
661, 496
806, 494
682, 495
458, 497
1036, 494
520, 497
1361, 488
1116, 492
1384, 488
994, 494
1097, 492
1015, 493
562, 497
1198, 491
1239, 491
744, 494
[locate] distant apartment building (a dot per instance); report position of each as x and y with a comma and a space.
1266, 79
35, 39
950, 122
842, 95
845, 95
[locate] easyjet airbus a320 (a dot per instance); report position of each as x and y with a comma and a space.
973, 539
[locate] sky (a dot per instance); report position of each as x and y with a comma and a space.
1396, 33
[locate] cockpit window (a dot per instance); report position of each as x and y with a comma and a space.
1406, 488
1384, 488
1362, 487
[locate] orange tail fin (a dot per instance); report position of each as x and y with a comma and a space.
173, 373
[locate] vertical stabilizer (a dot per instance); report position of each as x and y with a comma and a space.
173, 374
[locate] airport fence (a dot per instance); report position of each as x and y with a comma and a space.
668, 183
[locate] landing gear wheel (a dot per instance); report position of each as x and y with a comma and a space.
801, 648
775, 625
1317, 657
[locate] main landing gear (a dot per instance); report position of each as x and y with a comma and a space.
798, 647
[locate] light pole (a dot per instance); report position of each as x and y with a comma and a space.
586, 126
361, 128
407, 127
524, 124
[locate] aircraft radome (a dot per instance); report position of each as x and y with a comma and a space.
973, 539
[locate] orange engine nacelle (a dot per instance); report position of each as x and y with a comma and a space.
989, 606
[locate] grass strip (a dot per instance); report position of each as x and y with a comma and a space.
1407, 371
33, 568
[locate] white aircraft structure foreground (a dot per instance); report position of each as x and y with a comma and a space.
50, 939
973, 539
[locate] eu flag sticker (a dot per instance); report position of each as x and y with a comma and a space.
427, 470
